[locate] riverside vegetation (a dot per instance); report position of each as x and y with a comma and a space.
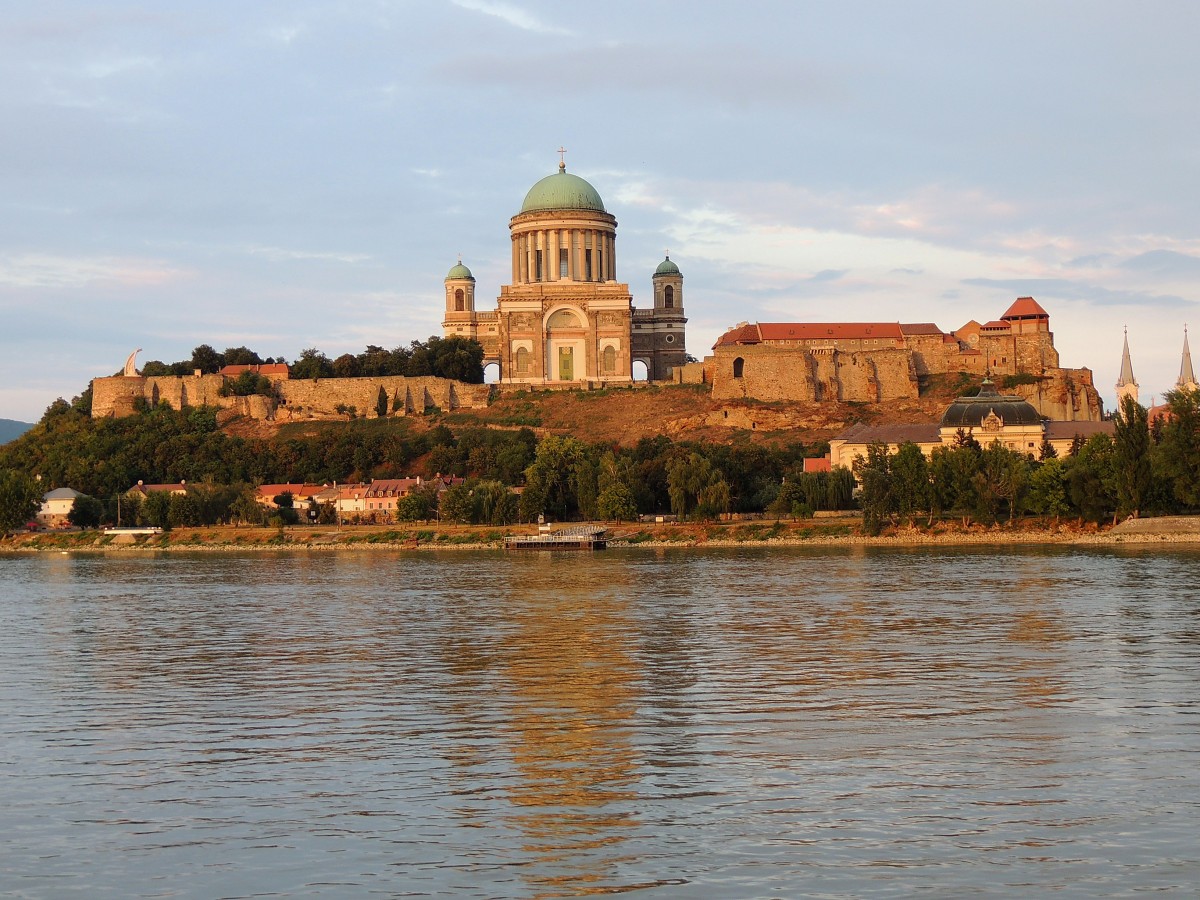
1145, 468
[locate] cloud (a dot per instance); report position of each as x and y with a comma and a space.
281, 254
735, 76
47, 271
1166, 263
512, 15
1077, 290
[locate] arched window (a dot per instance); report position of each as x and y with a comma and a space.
739, 366
610, 359
460, 302
564, 318
522, 360
669, 297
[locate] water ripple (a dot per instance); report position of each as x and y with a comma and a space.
833, 722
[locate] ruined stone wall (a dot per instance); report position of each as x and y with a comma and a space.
304, 399
1063, 395
690, 373
790, 373
319, 398
118, 395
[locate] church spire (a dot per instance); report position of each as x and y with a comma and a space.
1187, 378
1126, 365
1127, 385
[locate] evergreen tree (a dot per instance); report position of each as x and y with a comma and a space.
1090, 478
1179, 448
1131, 457
876, 497
910, 481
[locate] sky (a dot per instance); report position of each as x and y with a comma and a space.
285, 175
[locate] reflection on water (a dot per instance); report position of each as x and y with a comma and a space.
717, 724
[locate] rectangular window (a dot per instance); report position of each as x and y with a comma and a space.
587, 265
562, 263
538, 265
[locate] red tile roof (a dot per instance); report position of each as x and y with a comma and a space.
861, 433
148, 488
810, 331
264, 369
919, 328
817, 464
394, 487
1059, 431
298, 491
996, 324
1025, 308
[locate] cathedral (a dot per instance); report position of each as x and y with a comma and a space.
565, 319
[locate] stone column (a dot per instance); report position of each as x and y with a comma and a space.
552, 255
516, 261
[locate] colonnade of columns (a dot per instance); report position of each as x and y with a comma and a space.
577, 242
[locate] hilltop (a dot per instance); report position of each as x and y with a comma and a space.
11, 429
681, 412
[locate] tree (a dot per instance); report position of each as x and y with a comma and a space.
183, 511
1001, 479
911, 489
693, 482
312, 364
241, 356
955, 489
156, 509
381, 402
550, 478
456, 357
345, 366
1048, 488
206, 359
616, 503
86, 512
1090, 478
20, 499
1131, 457
494, 503
247, 509
458, 504
1179, 447
876, 497
417, 505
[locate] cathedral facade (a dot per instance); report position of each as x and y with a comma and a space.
565, 320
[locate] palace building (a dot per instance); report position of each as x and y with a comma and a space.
565, 319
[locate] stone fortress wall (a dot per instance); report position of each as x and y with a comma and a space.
297, 400
883, 362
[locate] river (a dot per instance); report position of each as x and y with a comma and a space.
672, 723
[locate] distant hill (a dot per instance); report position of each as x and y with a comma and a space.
11, 430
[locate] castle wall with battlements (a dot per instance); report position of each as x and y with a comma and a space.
775, 371
316, 399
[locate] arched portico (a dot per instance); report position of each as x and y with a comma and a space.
566, 331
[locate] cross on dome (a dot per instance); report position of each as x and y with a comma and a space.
562, 159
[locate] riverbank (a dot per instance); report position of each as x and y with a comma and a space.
835, 532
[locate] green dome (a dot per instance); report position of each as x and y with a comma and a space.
562, 191
459, 271
969, 412
666, 267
